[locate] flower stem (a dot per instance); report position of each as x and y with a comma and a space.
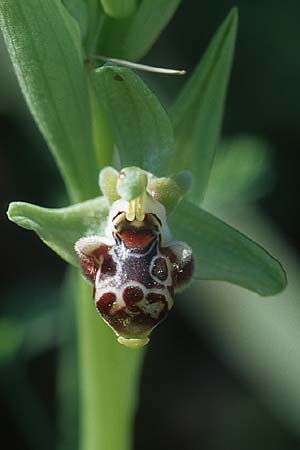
108, 380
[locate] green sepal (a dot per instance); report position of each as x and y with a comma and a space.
61, 228
223, 253
198, 111
141, 127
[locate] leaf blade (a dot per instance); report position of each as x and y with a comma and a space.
224, 254
246, 162
198, 110
142, 130
52, 78
61, 228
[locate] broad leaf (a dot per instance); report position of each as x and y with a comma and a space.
119, 8
61, 228
197, 112
132, 38
45, 47
223, 253
142, 130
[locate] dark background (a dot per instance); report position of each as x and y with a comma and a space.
190, 398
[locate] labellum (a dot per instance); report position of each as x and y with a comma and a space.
135, 267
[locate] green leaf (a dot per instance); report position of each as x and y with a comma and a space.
132, 38
197, 112
119, 9
61, 228
45, 47
142, 130
242, 171
223, 253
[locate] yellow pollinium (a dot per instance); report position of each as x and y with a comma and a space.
136, 209
133, 342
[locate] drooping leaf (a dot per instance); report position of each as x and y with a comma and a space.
61, 228
45, 47
142, 130
119, 9
131, 38
197, 112
223, 253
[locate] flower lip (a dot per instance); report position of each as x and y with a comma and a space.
138, 239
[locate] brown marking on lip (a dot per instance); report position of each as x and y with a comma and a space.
132, 295
160, 269
105, 302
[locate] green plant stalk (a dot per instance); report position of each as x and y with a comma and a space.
108, 372
100, 367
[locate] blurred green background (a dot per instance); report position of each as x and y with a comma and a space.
222, 372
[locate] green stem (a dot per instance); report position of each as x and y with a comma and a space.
108, 380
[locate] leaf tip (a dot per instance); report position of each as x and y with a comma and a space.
234, 12
12, 211
279, 281
233, 17
17, 213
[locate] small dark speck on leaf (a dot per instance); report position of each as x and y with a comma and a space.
118, 78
